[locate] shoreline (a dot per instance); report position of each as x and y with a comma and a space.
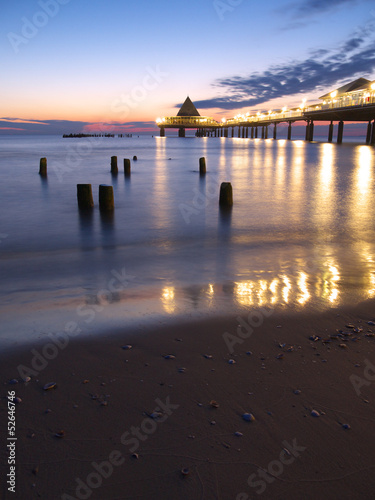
105, 397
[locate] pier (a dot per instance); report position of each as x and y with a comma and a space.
353, 102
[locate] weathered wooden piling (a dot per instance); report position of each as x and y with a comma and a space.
202, 165
114, 168
84, 196
135, 158
106, 199
127, 167
43, 166
226, 194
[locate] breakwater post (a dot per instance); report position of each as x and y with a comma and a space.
114, 168
84, 196
43, 167
127, 167
226, 194
106, 199
202, 165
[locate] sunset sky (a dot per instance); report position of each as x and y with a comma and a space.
69, 65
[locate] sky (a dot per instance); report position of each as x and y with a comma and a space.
86, 65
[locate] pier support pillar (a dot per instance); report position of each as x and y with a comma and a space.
239, 131
232, 131
275, 131
252, 132
243, 133
307, 135
181, 132
340, 132
290, 131
226, 132
266, 132
247, 133
263, 132
162, 132
256, 132
369, 130
372, 141
330, 132
311, 131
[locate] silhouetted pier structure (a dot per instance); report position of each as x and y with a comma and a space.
353, 102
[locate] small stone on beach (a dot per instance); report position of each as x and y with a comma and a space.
127, 347
169, 356
49, 385
248, 417
315, 413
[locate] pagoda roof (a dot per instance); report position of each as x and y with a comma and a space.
188, 109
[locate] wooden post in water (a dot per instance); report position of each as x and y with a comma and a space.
106, 199
135, 158
202, 165
226, 194
43, 167
114, 168
127, 167
275, 131
84, 196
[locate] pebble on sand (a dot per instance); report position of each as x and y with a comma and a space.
49, 385
169, 356
315, 413
127, 347
248, 417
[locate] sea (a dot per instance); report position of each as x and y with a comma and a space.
299, 237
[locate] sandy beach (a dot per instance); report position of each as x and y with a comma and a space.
158, 413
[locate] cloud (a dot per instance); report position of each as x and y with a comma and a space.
321, 70
309, 8
60, 127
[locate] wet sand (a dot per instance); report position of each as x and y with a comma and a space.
133, 420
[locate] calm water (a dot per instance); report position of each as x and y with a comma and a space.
301, 233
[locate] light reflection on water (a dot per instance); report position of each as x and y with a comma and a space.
300, 234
